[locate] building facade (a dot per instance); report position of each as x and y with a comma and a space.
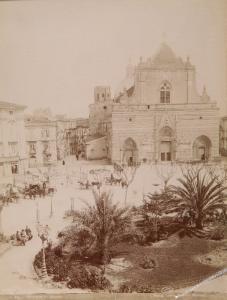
161, 116
223, 136
13, 159
76, 138
40, 142
71, 136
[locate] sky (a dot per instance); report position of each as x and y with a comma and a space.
53, 53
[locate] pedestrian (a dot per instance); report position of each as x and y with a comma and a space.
23, 236
63, 162
18, 236
28, 233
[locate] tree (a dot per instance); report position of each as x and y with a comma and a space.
165, 172
199, 194
128, 175
106, 221
154, 207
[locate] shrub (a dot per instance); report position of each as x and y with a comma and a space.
74, 273
87, 277
125, 288
218, 233
139, 288
135, 237
56, 265
69, 213
148, 263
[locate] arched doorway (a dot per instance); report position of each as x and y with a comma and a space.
130, 152
166, 144
202, 148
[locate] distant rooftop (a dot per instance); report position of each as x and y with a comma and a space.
10, 105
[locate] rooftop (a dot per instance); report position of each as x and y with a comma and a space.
165, 57
10, 105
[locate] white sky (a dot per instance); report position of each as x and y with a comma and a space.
53, 53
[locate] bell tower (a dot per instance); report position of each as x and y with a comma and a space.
102, 94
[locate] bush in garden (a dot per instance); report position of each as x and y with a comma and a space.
74, 273
148, 263
125, 288
218, 233
83, 276
130, 288
56, 266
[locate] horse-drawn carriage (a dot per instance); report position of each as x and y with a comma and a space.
95, 178
40, 190
9, 194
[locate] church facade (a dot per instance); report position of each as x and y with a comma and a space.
160, 116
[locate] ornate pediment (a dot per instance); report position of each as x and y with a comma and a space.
167, 120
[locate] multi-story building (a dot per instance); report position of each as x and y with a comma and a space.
223, 136
76, 138
12, 140
160, 116
41, 141
71, 136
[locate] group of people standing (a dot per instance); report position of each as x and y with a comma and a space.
23, 236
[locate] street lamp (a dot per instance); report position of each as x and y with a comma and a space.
72, 204
51, 205
37, 212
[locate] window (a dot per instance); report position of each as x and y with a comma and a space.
168, 156
32, 150
165, 93
1, 149
13, 150
45, 133
103, 95
14, 169
1, 169
162, 156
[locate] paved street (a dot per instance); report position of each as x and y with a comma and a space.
16, 269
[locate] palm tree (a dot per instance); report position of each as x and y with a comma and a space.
199, 193
105, 220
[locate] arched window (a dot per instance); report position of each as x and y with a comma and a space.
165, 93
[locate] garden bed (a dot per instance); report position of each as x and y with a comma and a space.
168, 265
175, 267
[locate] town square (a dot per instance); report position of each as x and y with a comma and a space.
113, 162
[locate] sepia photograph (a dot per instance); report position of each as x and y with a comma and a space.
113, 149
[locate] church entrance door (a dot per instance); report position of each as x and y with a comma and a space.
166, 151
130, 152
202, 148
